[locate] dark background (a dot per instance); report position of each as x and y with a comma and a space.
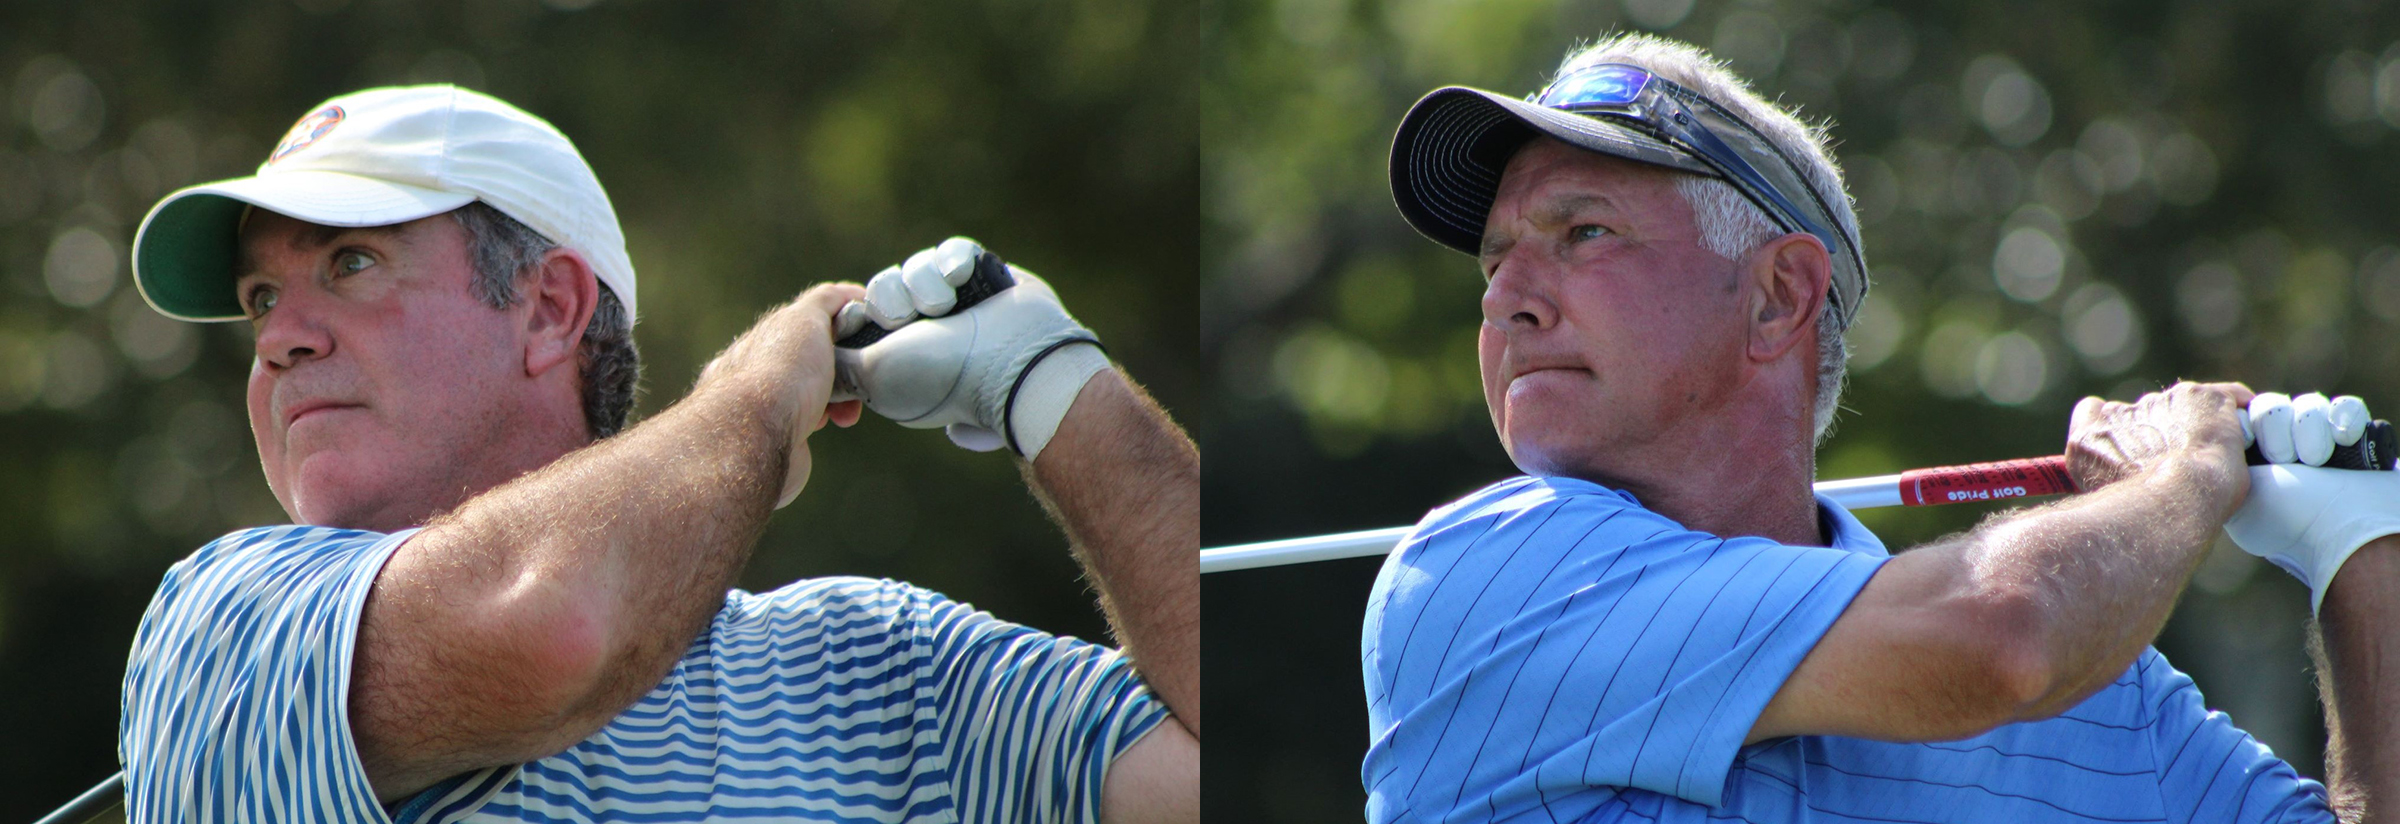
2058, 199
750, 149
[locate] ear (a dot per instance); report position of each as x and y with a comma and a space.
1788, 277
558, 302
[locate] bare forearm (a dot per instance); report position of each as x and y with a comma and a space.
1125, 484
640, 535
2358, 660
535, 612
2102, 572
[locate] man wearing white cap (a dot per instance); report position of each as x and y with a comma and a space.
494, 606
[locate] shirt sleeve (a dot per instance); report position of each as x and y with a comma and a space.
1031, 720
1524, 651
235, 706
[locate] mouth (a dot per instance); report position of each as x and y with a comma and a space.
310, 408
1523, 373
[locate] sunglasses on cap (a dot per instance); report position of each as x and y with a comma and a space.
1633, 96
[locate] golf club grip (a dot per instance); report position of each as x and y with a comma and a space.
1990, 481
2035, 477
990, 278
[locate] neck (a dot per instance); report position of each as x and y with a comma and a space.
1735, 493
528, 438
1733, 472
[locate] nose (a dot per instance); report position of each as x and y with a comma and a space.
1516, 298
289, 335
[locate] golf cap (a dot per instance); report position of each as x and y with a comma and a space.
375, 158
1453, 144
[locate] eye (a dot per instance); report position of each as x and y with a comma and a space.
352, 262
1586, 231
259, 299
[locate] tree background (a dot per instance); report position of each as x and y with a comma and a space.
2058, 199
750, 149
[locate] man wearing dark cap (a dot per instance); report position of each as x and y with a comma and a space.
493, 605
1660, 622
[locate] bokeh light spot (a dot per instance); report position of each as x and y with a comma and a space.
2011, 369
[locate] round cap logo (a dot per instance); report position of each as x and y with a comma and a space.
305, 132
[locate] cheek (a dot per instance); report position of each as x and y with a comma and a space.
1491, 349
445, 381
260, 396
1490, 346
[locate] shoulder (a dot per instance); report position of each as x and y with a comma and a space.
1548, 512
263, 593
253, 631
848, 623
1522, 494
1557, 546
276, 551
846, 615
270, 564
833, 600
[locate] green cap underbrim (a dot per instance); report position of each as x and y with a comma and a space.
183, 259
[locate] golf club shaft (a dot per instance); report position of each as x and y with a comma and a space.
1999, 480
105, 796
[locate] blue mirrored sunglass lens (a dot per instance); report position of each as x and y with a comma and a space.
1600, 86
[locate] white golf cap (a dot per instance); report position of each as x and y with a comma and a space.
375, 158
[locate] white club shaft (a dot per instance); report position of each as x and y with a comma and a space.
1858, 493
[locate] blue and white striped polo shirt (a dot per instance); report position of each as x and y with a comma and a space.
1548, 650
833, 699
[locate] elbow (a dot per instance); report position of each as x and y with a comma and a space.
2022, 660
1986, 661
556, 649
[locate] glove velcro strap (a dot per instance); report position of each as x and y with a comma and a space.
1008, 425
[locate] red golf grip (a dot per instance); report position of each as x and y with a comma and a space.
1994, 481
2034, 477
991, 277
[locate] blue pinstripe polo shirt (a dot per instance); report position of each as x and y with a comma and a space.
1548, 650
831, 699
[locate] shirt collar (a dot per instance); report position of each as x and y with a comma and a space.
1844, 529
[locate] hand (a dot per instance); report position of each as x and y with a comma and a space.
1001, 372
2304, 429
2197, 423
787, 358
2309, 520
2305, 520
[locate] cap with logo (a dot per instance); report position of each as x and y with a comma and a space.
375, 158
1453, 145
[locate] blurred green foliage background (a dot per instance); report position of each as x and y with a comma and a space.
2058, 199
750, 149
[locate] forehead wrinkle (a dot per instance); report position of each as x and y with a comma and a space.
1565, 207
319, 235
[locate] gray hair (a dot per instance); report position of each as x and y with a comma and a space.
504, 252
1730, 225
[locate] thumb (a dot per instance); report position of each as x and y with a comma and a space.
2086, 412
974, 438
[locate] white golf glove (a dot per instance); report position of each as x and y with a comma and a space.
2302, 518
2304, 429
1000, 373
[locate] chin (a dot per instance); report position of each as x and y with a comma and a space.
1543, 464
319, 510
1551, 454
327, 493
